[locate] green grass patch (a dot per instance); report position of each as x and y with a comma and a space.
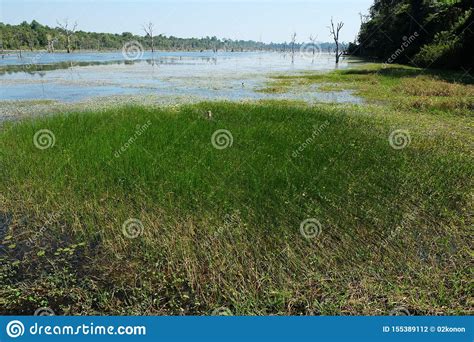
401, 87
221, 227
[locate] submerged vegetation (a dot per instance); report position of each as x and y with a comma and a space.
140, 210
401, 87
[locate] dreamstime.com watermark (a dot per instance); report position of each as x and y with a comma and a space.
231, 221
44, 139
132, 50
16, 329
40, 232
222, 311
139, 130
221, 139
44, 311
407, 41
310, 51
132, 228
34, 61
317, 130
399, 139
311, 228
399, 311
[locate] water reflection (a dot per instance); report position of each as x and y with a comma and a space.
207, 75
39, 68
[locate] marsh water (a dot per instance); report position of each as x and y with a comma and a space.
205, 75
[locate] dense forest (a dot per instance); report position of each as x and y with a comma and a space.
425, 33
34, 36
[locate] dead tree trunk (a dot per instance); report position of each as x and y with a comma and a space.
313, 40
148, 28
334, 33
293, 42
19, 40
68, 32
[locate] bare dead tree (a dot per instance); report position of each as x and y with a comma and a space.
68, 32
19, 39
334, 33
51, 40
293, 42
31, 43
313, 40
148, 28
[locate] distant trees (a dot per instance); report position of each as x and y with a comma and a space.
41, 37
334, 33
37, 36
68, 31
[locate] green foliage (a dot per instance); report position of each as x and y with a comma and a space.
36, 36
441, 53
444, 35
451, 48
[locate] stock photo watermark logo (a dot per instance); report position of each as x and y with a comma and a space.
399, 139
393, 235
132, 228
15, 329
221, 139
407, 220
40, 232
222, 311
34, 60
311, 228
231, 221
317, 130
400, 311
132, 51
44, 139
44, 311
407, 41
140, 129
310, 51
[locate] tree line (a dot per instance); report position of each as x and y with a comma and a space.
424, 33
66, 37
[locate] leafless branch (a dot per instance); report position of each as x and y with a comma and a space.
293, 42
67, 31
334, 33
149, 28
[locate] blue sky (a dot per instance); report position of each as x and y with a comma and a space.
264, 20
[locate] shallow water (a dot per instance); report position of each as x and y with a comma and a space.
207, 75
